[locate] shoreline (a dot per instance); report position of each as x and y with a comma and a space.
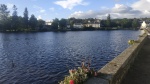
66, 30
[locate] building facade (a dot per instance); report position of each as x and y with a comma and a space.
78, 25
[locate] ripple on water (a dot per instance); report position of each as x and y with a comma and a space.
46, 57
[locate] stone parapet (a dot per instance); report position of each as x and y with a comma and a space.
114, 71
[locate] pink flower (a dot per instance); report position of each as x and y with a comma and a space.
71, 81
86, 70
95, 74
72, 71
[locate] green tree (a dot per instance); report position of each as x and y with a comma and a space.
4, 17
55, 24
25, 18
14, 22
63, 23
103, 23
41, 24
126, 23
20, 23
71, 21
108, 22
135, 23
33, 22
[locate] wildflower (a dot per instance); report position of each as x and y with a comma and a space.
71, 81
71, 72
86, 70
61, 82
95, 74
83, 65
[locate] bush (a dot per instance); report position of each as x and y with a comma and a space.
79, 75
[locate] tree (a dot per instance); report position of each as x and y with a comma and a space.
33, 22
4, 17
55, 24
108, 22
126, 23
41, 24
20, 23
14, 18
103, 23
25, 18
135, 23
71, 21
63, 23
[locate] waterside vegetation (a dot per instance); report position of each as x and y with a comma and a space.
80, 75
14, 23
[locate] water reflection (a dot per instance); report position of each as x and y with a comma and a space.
44, 58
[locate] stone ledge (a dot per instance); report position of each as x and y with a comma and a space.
114, 71
96, 80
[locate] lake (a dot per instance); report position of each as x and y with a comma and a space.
46, 57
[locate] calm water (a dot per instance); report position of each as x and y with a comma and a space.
44, 58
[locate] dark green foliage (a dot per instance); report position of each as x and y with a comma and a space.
88, 28
19, 23
3, 12
55, 24
63, 24
40, 24
15, 22
103, 23
33, 22
121, 23
25, 18
108, 22
135, 23
126, 23
71, 21
4, 19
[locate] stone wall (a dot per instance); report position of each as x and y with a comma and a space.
115, 70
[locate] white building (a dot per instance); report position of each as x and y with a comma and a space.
143, 25
78, 25
93, 23
48, 23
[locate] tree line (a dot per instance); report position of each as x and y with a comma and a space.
121, 23
13, 22
18, 23
108, 23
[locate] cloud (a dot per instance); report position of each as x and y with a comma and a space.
70, 4
136, 10
10, 5
33, 0
52, 9
88, 14
40, 9
117, 0
124, 9
142, 5
39, 17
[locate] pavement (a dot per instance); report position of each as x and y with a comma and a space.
139, 73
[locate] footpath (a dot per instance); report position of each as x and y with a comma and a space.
139, 73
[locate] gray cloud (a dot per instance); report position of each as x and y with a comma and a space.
136, 10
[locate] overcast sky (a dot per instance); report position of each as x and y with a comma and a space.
50, 9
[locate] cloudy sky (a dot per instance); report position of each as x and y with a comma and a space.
50, 9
